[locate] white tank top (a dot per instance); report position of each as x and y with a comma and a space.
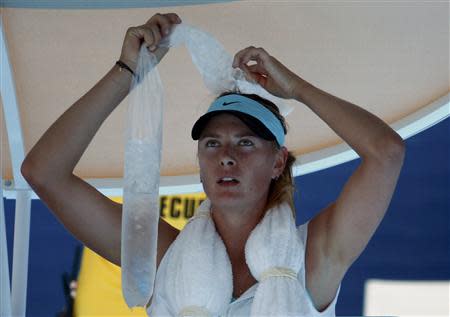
242, 305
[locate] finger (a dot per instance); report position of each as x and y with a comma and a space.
173, 17
141, 33
260, 79
253, 54
160, 22
257, 68
165, 22
238, 56
156, 37
144, 34
250, 75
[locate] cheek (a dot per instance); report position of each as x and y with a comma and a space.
202, 167
260, 171
205, 167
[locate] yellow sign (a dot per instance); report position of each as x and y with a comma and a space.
177, 209
99, 290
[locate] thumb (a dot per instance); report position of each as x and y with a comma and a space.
249, 75
160, 52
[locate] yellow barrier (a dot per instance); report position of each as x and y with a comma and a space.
99, 290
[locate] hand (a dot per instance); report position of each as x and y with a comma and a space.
159, 26
267, 72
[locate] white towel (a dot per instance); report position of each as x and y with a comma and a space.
201, 281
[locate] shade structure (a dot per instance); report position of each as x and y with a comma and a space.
389, 58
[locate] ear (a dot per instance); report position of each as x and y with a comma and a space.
280, 162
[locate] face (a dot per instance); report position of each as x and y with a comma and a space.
236, 166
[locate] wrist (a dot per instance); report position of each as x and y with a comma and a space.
121, 77
302, 87
124, 67
129, 62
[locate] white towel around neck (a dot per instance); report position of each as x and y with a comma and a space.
200, 282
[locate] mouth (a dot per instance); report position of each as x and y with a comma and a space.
227, 181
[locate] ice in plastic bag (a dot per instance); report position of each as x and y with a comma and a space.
140, 213
143, 149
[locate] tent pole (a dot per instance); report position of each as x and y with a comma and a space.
5, 293
20, 253
23, 191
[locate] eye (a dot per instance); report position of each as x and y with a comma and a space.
211, 143
246, 142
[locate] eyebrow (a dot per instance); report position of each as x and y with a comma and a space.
217, 136
208, 135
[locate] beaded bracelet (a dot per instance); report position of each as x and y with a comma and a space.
123, 65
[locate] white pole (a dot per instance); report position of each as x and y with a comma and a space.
20, 253
5, 294
23, 197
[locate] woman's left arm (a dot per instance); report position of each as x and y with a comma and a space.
343, 229
352, 219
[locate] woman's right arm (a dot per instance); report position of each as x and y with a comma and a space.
90, 216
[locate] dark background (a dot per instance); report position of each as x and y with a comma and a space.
411, 243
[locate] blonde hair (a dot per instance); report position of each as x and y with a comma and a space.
280, 189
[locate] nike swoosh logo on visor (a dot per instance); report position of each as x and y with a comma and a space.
229, 103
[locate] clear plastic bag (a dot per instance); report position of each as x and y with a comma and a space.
143, 149
140, 213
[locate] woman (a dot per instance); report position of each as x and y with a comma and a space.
241, 165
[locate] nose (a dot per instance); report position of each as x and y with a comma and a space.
226, 158
227, 161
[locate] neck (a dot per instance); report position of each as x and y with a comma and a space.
234, 225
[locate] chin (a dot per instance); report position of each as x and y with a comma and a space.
226, 199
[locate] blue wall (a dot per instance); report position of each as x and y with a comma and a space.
412, 242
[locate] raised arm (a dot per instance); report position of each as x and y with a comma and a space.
340, 232
90, 216
343, 229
